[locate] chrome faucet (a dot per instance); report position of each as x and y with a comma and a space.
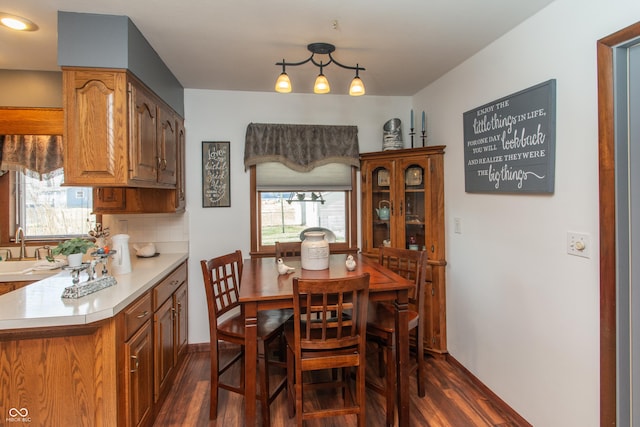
20, 238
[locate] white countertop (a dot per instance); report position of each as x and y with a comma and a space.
41, 305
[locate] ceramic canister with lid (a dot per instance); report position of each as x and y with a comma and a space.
314, 251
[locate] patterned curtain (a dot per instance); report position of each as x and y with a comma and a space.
301, 147
39, 156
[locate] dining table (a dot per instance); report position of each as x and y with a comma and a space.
263, 288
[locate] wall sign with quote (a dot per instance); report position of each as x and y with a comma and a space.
509, 144
216, 189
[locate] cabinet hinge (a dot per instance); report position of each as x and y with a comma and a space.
433, 291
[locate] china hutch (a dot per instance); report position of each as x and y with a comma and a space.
403, 207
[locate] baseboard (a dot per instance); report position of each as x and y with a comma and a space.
204, 346
195, 348
486, 390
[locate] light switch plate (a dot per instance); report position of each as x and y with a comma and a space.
457, 225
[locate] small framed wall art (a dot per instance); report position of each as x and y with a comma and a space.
216, 186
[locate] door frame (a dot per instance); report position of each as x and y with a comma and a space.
607, 170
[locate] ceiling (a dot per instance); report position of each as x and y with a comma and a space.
234, 44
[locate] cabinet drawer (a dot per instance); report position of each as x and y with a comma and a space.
136, 314
169, 285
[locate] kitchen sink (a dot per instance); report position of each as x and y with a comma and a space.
13, 270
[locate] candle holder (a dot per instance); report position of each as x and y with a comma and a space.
424, 136
411, 135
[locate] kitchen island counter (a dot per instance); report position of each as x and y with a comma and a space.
40, 304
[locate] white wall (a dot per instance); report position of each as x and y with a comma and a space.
224, 116
522, 315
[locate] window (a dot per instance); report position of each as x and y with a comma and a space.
286, 203
294, 169
46, 209
285, 215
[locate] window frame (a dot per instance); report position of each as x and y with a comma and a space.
24, 121
258, 250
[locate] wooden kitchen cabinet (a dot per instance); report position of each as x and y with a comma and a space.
168, 146
163, 332
170, 327
138, 354
180, 301
143, 137
180, 196
403, 207
96, 374
128, 200
118, 133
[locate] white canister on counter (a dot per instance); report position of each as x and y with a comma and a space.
314, 251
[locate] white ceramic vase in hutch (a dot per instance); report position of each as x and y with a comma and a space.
314, 251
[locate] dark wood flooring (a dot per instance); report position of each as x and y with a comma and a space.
451, 400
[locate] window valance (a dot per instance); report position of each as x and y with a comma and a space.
39, 156
301, 147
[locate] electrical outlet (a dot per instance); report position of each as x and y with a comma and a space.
578, 244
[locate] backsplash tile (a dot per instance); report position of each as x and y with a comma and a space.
169, 232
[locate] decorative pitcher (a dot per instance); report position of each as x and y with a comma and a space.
383, 212
121, 261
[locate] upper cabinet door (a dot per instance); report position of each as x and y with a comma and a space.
95, 149
167, 147
411, 184
378, 203
143, 136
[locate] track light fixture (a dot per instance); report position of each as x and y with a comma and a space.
283, 84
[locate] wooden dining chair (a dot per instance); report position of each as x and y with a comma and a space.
288, 249
226, 323
328, 333
411, 265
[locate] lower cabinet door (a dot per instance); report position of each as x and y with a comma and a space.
181, 321
164, 346
139, 377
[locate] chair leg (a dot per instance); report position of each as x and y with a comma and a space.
213, 405
242, 370
298, 396
291, 396
263, 378
420, 357
391, 382
361, 394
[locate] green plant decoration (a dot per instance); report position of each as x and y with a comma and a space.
76, 245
